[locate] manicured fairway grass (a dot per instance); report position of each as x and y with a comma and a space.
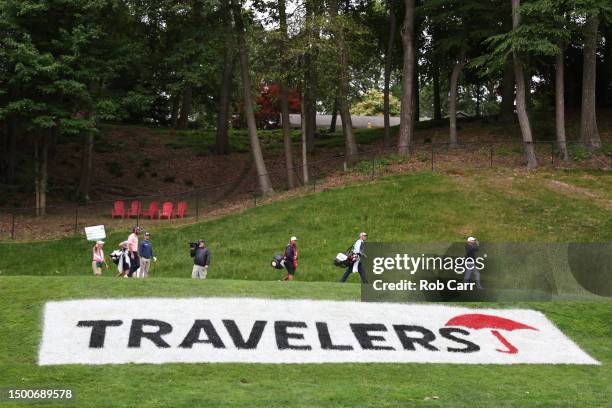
496, 206
312, 385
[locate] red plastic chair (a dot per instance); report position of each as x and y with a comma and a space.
180, 209
118, 209
152, 211
134, 209
167, 210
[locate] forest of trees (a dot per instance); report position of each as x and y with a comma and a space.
66, 66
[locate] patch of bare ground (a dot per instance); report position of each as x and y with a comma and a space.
573, 191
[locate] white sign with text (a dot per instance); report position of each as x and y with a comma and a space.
246, 330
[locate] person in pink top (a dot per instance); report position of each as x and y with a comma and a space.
133, 250
98, 258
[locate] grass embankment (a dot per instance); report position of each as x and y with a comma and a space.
496, 206
270, 385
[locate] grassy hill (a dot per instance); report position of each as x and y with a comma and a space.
270, 385
494, 205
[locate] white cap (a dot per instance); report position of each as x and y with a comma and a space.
361, 234
471, 239
100, 242
293, 239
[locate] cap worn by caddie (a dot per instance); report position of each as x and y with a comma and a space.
361, 234
147, 234
100, 242
293, 239
471, 239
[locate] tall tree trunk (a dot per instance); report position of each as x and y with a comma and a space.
44, 173
507, 104
452, 103
262, 173
305, 175
175, 111
11, 162
284, 95
310, 77
520, 95
86, 167
222, 136
407, 108
417, 95
605, 87
334, 116
41, 149
437, 109
387, 74
589, 134
183, 121
478, 97
343, 87
560, 102
37, 171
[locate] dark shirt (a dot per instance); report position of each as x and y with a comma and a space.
201, 256
470, 251
146, 249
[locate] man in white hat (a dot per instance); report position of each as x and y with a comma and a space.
471, 248
291, 258
356, 265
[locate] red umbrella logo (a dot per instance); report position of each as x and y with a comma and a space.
482, 321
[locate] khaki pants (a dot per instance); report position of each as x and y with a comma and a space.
145, 264
199, 272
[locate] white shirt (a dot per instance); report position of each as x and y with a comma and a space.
357, 246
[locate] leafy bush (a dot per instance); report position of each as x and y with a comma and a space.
578, 152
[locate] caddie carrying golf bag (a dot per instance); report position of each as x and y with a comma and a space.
278, 262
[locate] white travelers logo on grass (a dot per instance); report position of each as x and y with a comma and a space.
244, 330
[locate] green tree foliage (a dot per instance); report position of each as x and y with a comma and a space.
371, 104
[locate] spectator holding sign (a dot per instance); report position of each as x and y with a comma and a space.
98, 258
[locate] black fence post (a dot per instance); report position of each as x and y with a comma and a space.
491, 153
13, 226
254, 199
76, 218
552, 153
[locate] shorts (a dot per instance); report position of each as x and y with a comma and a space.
290, 268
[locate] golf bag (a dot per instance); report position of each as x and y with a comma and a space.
278, 262
115, 255
345, 259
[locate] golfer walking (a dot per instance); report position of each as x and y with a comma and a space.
145, 249
201, 260
291, 259
356, 266
471, 248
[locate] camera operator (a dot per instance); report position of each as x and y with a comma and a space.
201, 260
